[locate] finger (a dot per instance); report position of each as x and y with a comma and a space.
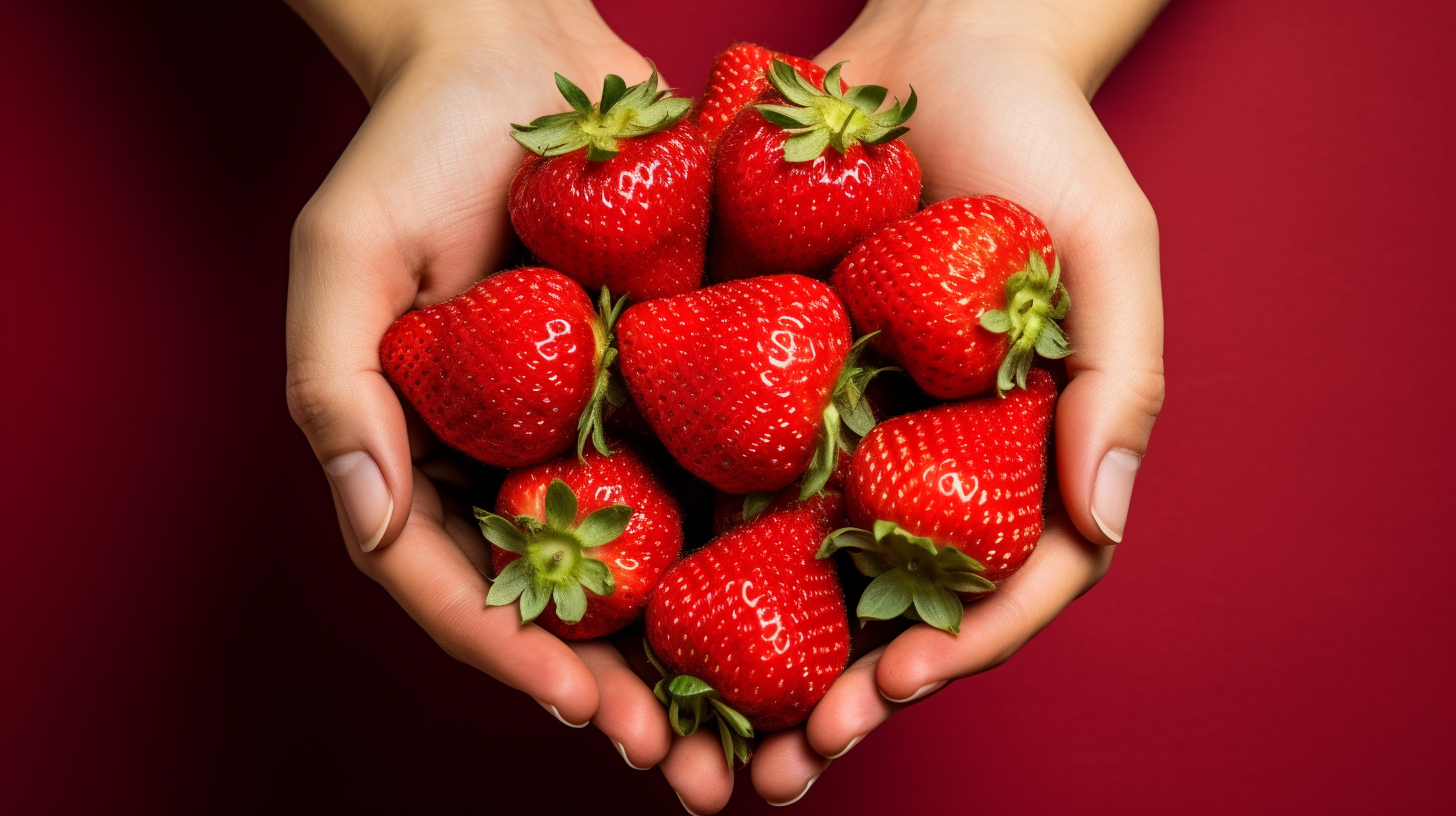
785, 767
924, 659
628, 713
852, 708
697, 770
437, 585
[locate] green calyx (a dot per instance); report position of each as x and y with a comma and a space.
1035, 301
622, 113
912, 576
608, 389
829, 116
554, 563
691, 702
847, 419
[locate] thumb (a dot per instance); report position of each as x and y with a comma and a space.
343, 293
1106, 413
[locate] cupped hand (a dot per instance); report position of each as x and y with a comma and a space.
413, 213
1004, 109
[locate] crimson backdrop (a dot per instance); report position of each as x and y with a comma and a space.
181, 630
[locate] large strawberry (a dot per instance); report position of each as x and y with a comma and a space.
960, 294
510, 372
616, 194
807, 176
738, 78
581, 542
751, 628
747, 383
948, 501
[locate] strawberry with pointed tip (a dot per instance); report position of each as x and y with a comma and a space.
961, 295
947, 502
616, 194
751, 630
581, 542
807, 175
512, 371
748, 383
738, 78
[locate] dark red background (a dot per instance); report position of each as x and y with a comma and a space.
181, 630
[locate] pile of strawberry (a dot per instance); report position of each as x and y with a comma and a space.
795, 196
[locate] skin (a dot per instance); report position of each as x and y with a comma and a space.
414, 213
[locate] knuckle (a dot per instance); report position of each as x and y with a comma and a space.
307, 393
1146, 387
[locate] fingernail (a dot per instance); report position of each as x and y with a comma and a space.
623, 751
366, 499
851, 744
801, 793
1112, 492
557, 715
685, 804
920, 692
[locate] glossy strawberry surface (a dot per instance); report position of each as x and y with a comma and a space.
637, 558
968, 474
771, 215
636, 223
503, 371
737, 78
756, 616
925, 282
734, 378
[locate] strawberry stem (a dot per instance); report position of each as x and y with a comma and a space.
821, 117
691, 702
1035, 301
622, 113
607, 390
847, 418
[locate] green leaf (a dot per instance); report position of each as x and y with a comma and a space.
685, 685
787, 117
533, 601
652, 658
604, 525
574, 95
570, 602
847, 537
870, 563
660, 692
997, 321
612, 89
951, 558
860, 417
1051, 343
938, 606
509, 585
755, 503
597, 576
821, 467
500, 532
806, 146
878, 136
887, 597
866, 97
726, 737
736, 721
790, 84
599, 150
965, 582
832, 85
560, 506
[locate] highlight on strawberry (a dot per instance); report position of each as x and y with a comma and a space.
806, 174
947, 502
616, 193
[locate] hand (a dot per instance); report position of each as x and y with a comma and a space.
1004, 90
415, 213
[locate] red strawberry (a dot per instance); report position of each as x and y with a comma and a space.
746, 383
961, 295
752, 627
510, 372
948, 500
616, 194
731, 510
737, 79
581, 542
808, 176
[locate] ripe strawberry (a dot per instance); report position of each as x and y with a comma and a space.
738, 380
961, 295
616, 194
784, 201
581, 541
953, 496
752, 627
730, 510
511, 371
737, 79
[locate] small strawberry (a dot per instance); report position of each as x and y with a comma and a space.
581, 541
616, 194
961, 295
947, 500
511, 371
751, 628
810, 174
737, 79
747, 383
